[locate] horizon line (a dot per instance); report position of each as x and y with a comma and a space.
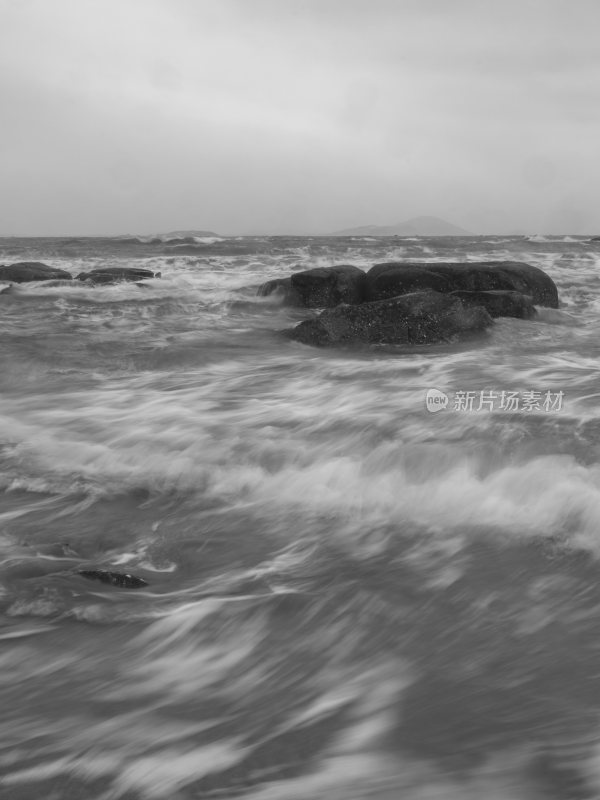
209, 234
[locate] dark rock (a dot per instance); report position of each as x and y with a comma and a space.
325, 287
499, 302
390, 280
394, 278
121, 579
311, 331
416, 318
281, 287
26, 271
115, 275
322, 287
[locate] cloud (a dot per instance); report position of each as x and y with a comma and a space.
285, 116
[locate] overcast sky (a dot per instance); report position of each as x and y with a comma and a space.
280, 116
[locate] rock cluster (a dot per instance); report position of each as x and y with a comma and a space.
411, 303
29, 271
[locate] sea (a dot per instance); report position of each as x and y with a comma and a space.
371, 572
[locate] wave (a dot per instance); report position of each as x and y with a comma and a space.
200, 240
107, 443
537, 237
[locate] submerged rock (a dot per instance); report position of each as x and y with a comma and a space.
396, 278
116, 275
414, 318
122, 579
322, 287
27, 271
58, 283
499, 302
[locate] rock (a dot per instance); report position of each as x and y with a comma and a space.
322, 287
394, 278
116, 275
415, 318
281, 287
121, 579
499, 302
325, 287
26, 271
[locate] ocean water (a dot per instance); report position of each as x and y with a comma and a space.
349, 595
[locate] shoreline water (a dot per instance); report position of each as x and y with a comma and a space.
348, 596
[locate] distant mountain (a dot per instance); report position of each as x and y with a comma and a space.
418, 226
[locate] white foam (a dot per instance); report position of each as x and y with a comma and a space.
162, 777
281, 449
22, 632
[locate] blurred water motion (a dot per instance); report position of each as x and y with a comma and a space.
348, 596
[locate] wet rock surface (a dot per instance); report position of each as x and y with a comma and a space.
29, 271
282, 288
325, 287
499, 302
123, 580
416, 318
322, 287
393, 278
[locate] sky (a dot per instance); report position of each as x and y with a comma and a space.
298, 116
